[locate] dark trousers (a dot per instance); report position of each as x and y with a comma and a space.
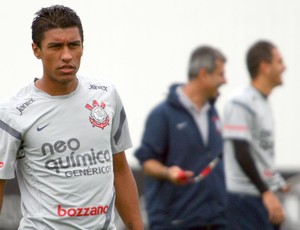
208, 227
247, 212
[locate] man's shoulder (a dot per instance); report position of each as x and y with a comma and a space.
12, 107
244, 97
244, 94
96, 83
98, 86
19, 96
159, 113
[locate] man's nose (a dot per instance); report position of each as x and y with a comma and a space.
66, 54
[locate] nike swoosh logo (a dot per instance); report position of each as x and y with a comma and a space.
42, 127
181, 125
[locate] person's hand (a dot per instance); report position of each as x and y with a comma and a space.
274, 207
178, 176
286, 188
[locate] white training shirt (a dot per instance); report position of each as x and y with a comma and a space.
61, 148
248, 117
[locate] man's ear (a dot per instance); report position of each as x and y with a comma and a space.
264, 67
36, 50
202, 73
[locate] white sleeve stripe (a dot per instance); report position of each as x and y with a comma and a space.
10, 130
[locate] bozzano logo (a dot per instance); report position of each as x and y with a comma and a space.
84, 211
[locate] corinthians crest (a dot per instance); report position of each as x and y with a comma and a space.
98, 116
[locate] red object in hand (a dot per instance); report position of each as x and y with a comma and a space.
206, 171
182, 176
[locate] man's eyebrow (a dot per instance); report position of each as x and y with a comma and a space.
75, 42
61, 43
54, 43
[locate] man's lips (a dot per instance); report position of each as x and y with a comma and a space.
66, 68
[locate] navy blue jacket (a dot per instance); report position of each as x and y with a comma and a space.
172, 137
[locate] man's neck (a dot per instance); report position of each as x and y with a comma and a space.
262, 87
56, 89
195, 95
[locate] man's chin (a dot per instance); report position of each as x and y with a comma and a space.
65, 79
215, 96
279, 84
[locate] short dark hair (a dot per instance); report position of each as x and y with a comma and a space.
56, 16
204, 57
257, 53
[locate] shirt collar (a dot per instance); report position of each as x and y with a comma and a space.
188, 104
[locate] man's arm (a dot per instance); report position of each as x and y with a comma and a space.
244, 159
156, 169
246, 162
127, 202
2, 187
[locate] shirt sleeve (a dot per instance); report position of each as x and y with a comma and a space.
10, 140
120, 138
238, 118
155, 137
